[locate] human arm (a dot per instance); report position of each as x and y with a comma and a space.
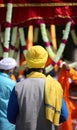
73, 75
13, 108
72, 72
64, 112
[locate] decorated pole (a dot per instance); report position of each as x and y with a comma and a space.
61, 47
23, 42
46, 40
35, 35
53, 36
30, 36
17, 46
55, 58
13, 42
7, 29
73, 34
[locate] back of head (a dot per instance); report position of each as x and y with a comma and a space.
36, 57
7, 63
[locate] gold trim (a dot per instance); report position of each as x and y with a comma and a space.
41, 4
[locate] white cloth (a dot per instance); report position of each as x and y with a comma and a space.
7, 63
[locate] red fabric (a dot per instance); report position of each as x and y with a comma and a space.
38, 1
26, 15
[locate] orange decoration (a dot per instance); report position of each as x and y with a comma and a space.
63, 79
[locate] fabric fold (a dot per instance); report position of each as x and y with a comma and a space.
53, 100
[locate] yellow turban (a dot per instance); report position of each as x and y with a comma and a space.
36, 57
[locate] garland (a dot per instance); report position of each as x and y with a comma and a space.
55, 58
13, 41
63, 42
35, 35
50, 41
8, 28
73, 65
74, 37
22, 39
16, 46
46, 40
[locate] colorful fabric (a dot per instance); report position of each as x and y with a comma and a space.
63, 78
29, 90
36, 57
52, 11
6, 86
73, 75
53, 91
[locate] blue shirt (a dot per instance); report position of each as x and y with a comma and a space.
6, 86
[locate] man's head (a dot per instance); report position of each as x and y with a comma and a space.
8, 64
36, 57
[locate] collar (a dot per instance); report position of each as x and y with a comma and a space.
36, 75
4, 74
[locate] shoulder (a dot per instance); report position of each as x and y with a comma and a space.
54, 81
12, 82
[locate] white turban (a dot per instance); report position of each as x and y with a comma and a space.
7, 63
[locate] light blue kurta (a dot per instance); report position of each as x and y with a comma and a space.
6, 86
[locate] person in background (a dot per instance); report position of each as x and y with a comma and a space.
37, 103
67, 76
22, 71
7, 67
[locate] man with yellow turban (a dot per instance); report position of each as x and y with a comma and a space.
37, 103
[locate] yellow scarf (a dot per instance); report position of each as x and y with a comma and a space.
53, 97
